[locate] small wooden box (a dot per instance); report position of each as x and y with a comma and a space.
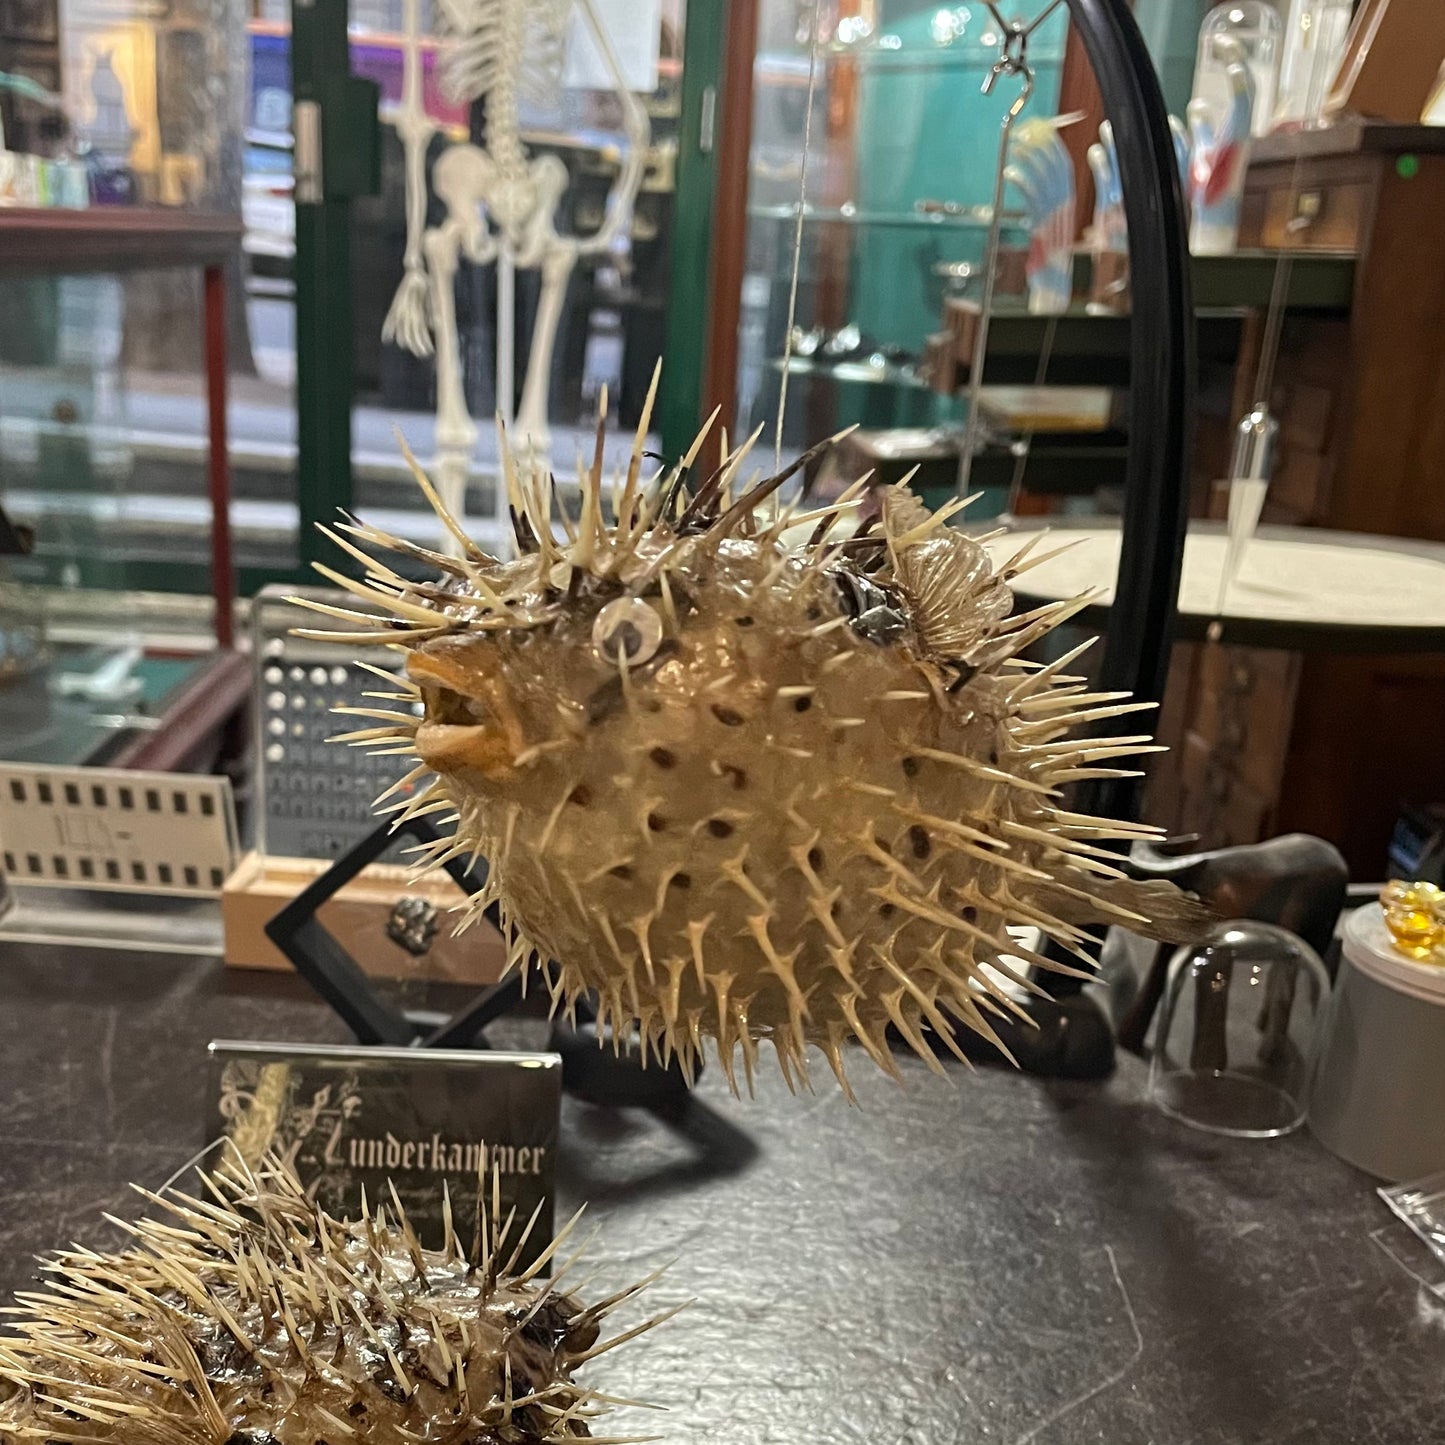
260, 887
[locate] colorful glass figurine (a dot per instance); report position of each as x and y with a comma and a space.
1042, 170
1220, 156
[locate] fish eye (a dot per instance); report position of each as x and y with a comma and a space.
627, 631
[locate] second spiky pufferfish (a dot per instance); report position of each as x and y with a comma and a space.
252, 1317
742, 786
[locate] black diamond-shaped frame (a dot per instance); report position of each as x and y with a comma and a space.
320, 959
603, 1076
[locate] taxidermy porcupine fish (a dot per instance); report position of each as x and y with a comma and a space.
255, 1318
743, 788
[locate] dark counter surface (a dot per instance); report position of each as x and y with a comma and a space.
981, 1257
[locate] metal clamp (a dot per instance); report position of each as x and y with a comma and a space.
1013, 59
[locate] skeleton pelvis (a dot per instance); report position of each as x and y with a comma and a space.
518, 197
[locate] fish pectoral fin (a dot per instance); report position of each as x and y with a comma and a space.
1152, 907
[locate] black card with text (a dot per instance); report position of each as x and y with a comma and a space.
348, 1118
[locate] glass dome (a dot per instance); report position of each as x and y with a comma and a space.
1235, 1039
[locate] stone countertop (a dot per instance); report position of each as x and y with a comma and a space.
960, 1259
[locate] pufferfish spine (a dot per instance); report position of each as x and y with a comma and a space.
743, 780
256, 1318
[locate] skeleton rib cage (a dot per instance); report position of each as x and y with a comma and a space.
503, 53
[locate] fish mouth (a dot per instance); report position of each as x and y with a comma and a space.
466, 728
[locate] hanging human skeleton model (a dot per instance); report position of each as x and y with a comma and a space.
501, 204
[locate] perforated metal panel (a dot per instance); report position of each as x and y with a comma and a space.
115, 830
315, 797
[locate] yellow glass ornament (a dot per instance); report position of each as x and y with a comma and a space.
1415, 916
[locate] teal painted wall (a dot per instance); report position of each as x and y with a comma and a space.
1171, 31
931, 132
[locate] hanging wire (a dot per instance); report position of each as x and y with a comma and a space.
1033, 24
1278, 291
797, 237
1013, 60
1025, 443
1263, 386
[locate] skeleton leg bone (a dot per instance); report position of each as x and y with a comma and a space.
462, 177
537, 244
532, 429
456, 433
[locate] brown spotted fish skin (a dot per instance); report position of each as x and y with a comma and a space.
252, 1317
745, 781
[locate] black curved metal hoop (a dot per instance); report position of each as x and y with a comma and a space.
1161, 370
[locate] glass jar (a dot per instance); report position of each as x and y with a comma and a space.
1235, 1042
1248, 31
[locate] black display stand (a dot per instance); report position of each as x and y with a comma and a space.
589, 1069
1162, 363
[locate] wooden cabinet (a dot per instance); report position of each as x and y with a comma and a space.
1368, 398
1332, 743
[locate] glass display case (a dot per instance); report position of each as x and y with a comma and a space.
896, 202
106, 678
66, 459
117, 674
120, 170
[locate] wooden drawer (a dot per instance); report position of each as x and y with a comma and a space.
1320, 218
1325, 204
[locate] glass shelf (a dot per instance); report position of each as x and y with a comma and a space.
976, 218
898, 182
784, 66
886, 373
